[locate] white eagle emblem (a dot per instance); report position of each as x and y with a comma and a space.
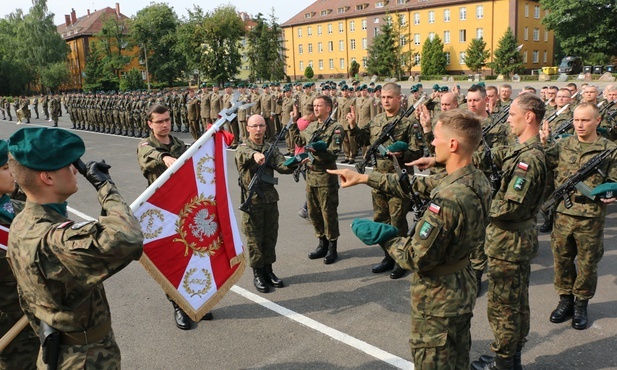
203, 225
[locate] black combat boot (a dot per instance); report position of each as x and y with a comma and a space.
321, 250
182, 320
496, 363
547, 226
398, 272
332, 255
517, 364
132, 133
478, 280
579, 320
386, 264
564, 309
273, 279
259, 280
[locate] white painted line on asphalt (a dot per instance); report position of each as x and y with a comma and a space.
358, 344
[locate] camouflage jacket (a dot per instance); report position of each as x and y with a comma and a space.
316, 174
566, 157
247, 167
8, 285
452, 226
404, 131
150, 153
60, 265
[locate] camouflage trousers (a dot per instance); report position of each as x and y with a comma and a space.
322, 203
440, 343
350, 146
390, 210
261, 231
508, 305
581, 238
23, 351
101, 355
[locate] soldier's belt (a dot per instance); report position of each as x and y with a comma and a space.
81, 338
512, 226
444, 270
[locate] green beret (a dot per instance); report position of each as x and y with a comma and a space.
414, 89
327, 87
399, 146
444, 89
363, 87
319, 146
295, 159
606, 190
436, 87
481, 83
419, 85
306, 86
370, 89
371, 232
378, 87
45, 149
4, 152
241, 85
344, 88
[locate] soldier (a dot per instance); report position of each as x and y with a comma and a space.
155, 154
321, 187
389, 209
45, 106
505, 94
60, 265
512, 236
346, 104
204, 107
306, 100
24, 105
578, 230
551, 95
287, 107
492, 104
233, 125
443, 289
21, 352
2, 109
35, 106
216, 103
192, 114
267, 111
260, 226
54, 106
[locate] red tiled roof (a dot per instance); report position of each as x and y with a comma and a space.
87, 25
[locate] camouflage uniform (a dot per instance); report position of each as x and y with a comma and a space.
23, 351
150, 153
60, 268
578, 231
54, 106
193, 116
512, 241
443, 285
261, 226
350, 147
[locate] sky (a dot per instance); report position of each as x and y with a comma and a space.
130, 7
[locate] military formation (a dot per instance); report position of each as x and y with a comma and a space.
495, 162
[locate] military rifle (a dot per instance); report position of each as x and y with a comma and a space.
386, 133
495, 176
260, 177
315, 137
556, 114
575, 182
418, 205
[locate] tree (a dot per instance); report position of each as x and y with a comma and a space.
132, 80
476, 55
54, 75
383, 53
96, 74
154, 31
308, 72
354, 68
433, 57
113, 39
265, 49
15, 73
569, 19
507, 57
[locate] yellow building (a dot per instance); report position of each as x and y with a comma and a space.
79, 34
330, 34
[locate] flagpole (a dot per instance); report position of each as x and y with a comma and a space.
227, 114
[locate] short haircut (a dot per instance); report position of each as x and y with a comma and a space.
612, 88
463, 125
477, 88
156, 108
572, 84
24, 177
532, 103
507, 86
391, 86
593, 107
492, 88
593, 87
554, 88
325, 98
565, 90
530, 89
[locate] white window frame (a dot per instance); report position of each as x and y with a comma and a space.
462, 13
446, 15
446, 37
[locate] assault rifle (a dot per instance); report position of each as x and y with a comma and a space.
418, 205
315, 137
260, 177
575, 182
386, 133
495, 176
554, 117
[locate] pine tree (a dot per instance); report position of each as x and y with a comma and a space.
383, 57
433, 57
476, 55
507, 57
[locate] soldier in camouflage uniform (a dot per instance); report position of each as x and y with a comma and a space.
23, 351
578, 232
260, 226
443, 289
387, 208
512, 236
287, 107
60, 265
54, 107
345, 104
321, 187
192, 106
44, 104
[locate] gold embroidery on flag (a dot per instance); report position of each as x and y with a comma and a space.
197, 227
148, 231
205, 282
201, 168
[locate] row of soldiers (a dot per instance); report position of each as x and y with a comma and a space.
24, 107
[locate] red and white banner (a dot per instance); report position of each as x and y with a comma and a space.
192, 245
4, 237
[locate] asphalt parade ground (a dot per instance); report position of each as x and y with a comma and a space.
339, 316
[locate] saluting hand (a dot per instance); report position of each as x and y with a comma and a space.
349, 177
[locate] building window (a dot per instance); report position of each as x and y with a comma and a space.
461, 57
379, 4
341, 10
319, 47
526, 33
546, 36
446, 15
307, 15
479, 11
416, 18
416, 39
309, 31
446, 37
525, 56
364, 24
536, 11
403, 40
462, 36
310, 48
462, 12
403, 20
375, 32
302, 67
364, 62
341, 28
299, 32
324, 12
364, 44
400, 2
330, 28
319, 30
330, 45
300, 49
417, 59
479, 33
342, 63
331, 63
352, 26
341, 45
535, 56
536, 34
431, 36
352, 44
310, 63
376, 20
526, 10
447, 54
431, 16
544, 56
320, 63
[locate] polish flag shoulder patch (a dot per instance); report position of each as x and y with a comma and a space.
434, 208
523, 166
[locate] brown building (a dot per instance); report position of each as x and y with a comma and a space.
79, 33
